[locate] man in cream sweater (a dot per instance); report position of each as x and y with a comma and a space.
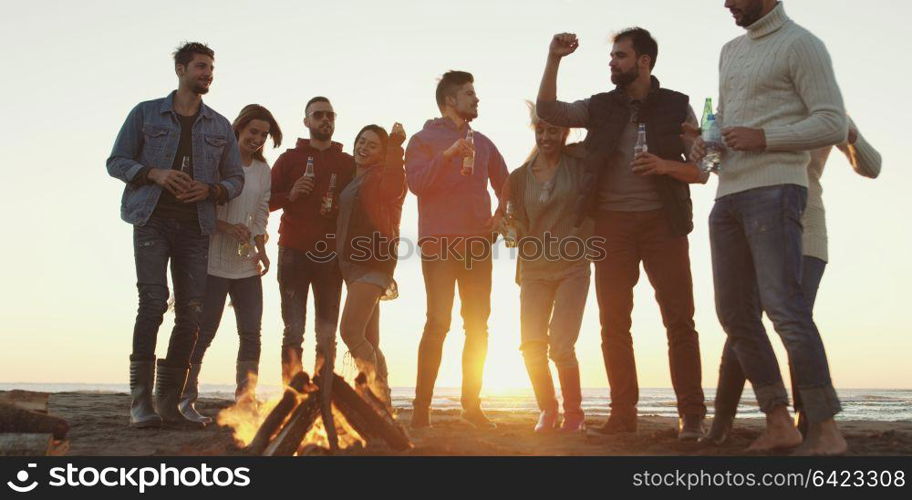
778, 99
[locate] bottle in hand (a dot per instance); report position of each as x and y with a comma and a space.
245, 248
468, 162
510, 236
641, 146
329, 198
309, 171
712, 139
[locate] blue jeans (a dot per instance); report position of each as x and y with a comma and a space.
731, 376
160, 241
755, 237
247, 301
297, 274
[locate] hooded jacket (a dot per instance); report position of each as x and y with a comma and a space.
302, 227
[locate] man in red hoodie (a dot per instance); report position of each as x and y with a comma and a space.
455, 230
306, 237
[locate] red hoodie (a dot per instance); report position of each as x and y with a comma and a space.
302, 226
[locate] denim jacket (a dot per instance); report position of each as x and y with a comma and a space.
149, 138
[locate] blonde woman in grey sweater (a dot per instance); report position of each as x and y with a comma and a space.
553, 270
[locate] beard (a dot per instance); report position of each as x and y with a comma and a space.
199, 88
321, 135
750, 15
467, 115
626, 77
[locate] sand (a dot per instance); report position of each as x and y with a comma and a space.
99, 428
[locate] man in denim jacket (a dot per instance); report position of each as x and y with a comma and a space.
178, 159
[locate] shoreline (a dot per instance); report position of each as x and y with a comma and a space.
98, 427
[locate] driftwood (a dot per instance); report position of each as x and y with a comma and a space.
15, 419
288, 440
27, 400
279, 414
31, 445
364, 418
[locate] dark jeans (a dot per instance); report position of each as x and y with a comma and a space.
440, 280
755, 237
731, 376
297, 274
247, 302
159, 242
629, 238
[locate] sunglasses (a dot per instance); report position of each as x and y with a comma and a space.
319, 115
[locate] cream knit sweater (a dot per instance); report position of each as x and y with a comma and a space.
865, 160
778, 77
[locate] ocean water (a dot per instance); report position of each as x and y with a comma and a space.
858, 404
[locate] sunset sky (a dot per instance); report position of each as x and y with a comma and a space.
73, 70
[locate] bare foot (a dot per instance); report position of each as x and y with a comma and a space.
779, 432
823, 438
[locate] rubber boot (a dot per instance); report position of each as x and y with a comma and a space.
574, 418
291, 363
191, 393
246, 373
169, 386
142, 412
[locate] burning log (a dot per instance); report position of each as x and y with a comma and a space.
379, 406
32, 445
366, 420
27, 400
289, 438
279, 414
15, 419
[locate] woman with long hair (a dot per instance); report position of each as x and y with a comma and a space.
237, 260
367, 234
543, 193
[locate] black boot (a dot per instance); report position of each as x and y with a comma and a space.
190, 395
246, 379
142, 412
169, 386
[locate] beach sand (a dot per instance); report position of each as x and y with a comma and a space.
98, 426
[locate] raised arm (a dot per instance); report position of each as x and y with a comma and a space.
392, 179
547, 106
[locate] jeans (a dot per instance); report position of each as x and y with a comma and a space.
731, 376
551, 313
156, 244
631, 237
247, 302
755, 237
440, 280
297, 274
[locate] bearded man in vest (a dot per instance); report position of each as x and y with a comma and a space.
643, 212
